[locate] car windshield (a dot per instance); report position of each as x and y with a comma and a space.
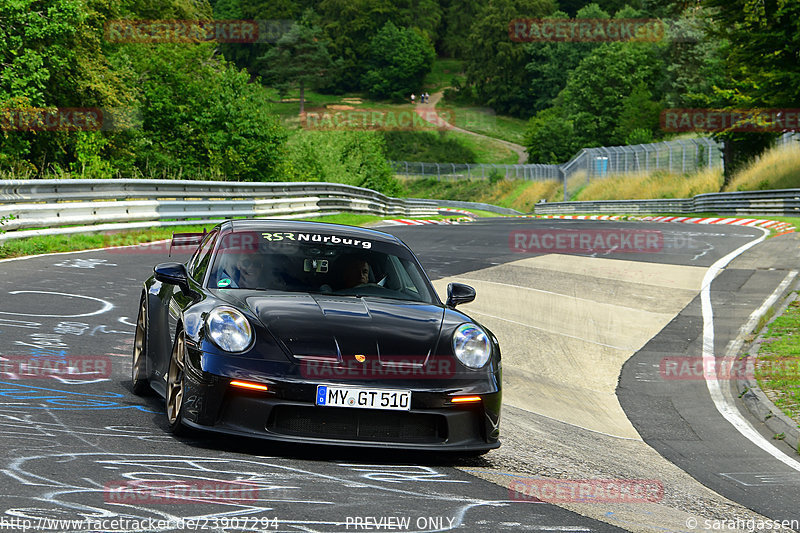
293, 261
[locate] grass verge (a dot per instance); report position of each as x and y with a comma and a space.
357, 110
88, 241
521, 195
486, 122
442, 74
650, 186
486, 151
777, 367
778, 168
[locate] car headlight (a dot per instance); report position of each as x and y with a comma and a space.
471, 345
229, 329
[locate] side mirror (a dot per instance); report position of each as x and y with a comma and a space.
174, 274
458, 293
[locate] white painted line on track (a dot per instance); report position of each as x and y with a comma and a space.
725, 408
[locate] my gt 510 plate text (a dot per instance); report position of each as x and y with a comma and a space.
393, 399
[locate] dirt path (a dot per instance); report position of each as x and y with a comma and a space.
428, 112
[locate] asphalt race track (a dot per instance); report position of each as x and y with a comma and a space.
69, 441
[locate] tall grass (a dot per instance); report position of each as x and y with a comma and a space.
778, 168
517, 194
530, 193
655, 185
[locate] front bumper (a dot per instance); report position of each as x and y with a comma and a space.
287, 412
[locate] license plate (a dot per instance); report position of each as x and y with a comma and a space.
399, 400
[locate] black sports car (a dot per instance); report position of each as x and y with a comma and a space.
320, 333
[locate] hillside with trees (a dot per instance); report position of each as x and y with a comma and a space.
205, 109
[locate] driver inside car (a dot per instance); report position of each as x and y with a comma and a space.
355, 273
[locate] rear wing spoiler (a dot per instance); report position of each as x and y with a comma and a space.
185, 242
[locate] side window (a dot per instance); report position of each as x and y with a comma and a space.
199, 263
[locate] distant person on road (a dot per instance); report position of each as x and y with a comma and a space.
412, 98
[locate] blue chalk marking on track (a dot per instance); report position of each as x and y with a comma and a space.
63, 400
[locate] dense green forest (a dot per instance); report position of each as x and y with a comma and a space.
203, 108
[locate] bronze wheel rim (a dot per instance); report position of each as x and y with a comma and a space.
138, 345
175, 381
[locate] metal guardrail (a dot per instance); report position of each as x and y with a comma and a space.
474, 205
781, 202
617, 207
48, 207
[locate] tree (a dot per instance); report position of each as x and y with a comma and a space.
639, 113
760, 43
201, 116
52, 55
458, 18
351, 24
550, 137
763, 39
399, 59
695, 64
300, 58
275, 18
495, 64
198, 115
573, 7
550, 63
352, 157
596, 91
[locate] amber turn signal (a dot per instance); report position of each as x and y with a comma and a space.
248, 385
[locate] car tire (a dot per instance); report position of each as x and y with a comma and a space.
139, 382
176, 386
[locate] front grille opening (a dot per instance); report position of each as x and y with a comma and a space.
357, 424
